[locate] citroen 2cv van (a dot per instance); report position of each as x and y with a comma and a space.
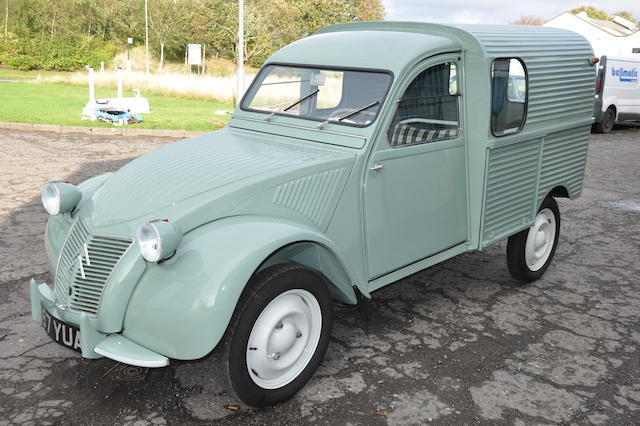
358, 156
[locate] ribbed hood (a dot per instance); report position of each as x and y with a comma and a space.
187, 168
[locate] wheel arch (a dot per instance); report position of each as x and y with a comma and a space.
321, 259
559, 191
181, 308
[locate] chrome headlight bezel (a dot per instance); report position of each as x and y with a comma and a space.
60, 197
158, 240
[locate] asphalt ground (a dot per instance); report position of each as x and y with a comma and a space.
459, 343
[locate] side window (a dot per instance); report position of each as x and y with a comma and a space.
428, 109
509, 94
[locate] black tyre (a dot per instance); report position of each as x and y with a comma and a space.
530, 252
278, 335
609, 119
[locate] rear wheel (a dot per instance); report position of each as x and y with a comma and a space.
609, 119
530, 252
278, 335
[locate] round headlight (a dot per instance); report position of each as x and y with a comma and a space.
158, 240
51, 199
60, 197
149, 241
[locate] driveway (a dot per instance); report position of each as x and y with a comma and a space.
458, 343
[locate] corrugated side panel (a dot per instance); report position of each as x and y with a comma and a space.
310, 196
564, 158
561, 81
510, 189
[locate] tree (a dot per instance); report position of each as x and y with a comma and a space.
529, 20
169, 22
626, 15
592, 13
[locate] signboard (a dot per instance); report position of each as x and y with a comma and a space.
194, 54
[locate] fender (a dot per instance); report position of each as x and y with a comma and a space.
181, 307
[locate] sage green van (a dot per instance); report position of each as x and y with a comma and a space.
358, 156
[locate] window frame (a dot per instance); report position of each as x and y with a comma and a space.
458, 96
526, 96
322, 67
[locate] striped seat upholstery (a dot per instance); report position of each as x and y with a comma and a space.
405, 134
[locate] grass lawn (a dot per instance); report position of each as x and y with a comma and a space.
43, 103
7, 73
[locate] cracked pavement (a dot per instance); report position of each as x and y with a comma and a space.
458, 343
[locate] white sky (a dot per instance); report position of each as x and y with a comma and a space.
494, 11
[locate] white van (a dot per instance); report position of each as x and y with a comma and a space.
617, 92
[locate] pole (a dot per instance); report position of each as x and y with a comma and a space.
119, 74
240, 70
6, 17
146, 31
92, 92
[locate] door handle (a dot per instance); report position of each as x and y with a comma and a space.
376, 167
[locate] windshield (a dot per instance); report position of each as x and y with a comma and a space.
320, 94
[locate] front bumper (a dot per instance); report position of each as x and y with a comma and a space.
93, 343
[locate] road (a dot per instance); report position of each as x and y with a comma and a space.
459, 343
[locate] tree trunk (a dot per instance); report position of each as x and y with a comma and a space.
161, 56
53, 21
6, 17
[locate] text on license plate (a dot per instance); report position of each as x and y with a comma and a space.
65, 334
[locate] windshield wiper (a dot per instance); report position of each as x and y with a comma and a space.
349, 114
287, 108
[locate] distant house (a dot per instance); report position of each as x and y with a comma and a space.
619, 37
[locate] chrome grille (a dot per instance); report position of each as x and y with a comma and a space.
84, 267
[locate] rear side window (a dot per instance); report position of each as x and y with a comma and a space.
509, 95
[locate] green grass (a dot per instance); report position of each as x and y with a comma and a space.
7, 73
43, 103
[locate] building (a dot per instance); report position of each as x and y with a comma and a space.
619, 37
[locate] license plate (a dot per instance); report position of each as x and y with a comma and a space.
60, 332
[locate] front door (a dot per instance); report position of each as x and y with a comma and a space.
415, 188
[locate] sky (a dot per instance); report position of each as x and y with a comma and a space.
494, 11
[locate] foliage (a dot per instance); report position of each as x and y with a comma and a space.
529, 20
592, 13
271, 24
68, 34
58, 55
626, 15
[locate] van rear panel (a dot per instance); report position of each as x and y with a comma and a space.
619, 82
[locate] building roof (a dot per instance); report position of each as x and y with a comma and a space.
618, 27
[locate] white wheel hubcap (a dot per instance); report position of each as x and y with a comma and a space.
284, 338
540, 240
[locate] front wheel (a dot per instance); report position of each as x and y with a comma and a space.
530, 252
278, 335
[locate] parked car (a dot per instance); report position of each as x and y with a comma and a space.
344, 169
617, 92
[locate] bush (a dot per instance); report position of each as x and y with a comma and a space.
57, 55
22, 62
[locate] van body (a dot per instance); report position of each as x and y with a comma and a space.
357, 157
617, 92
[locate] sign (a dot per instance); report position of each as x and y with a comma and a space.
194, 54
129, 40
629, 75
